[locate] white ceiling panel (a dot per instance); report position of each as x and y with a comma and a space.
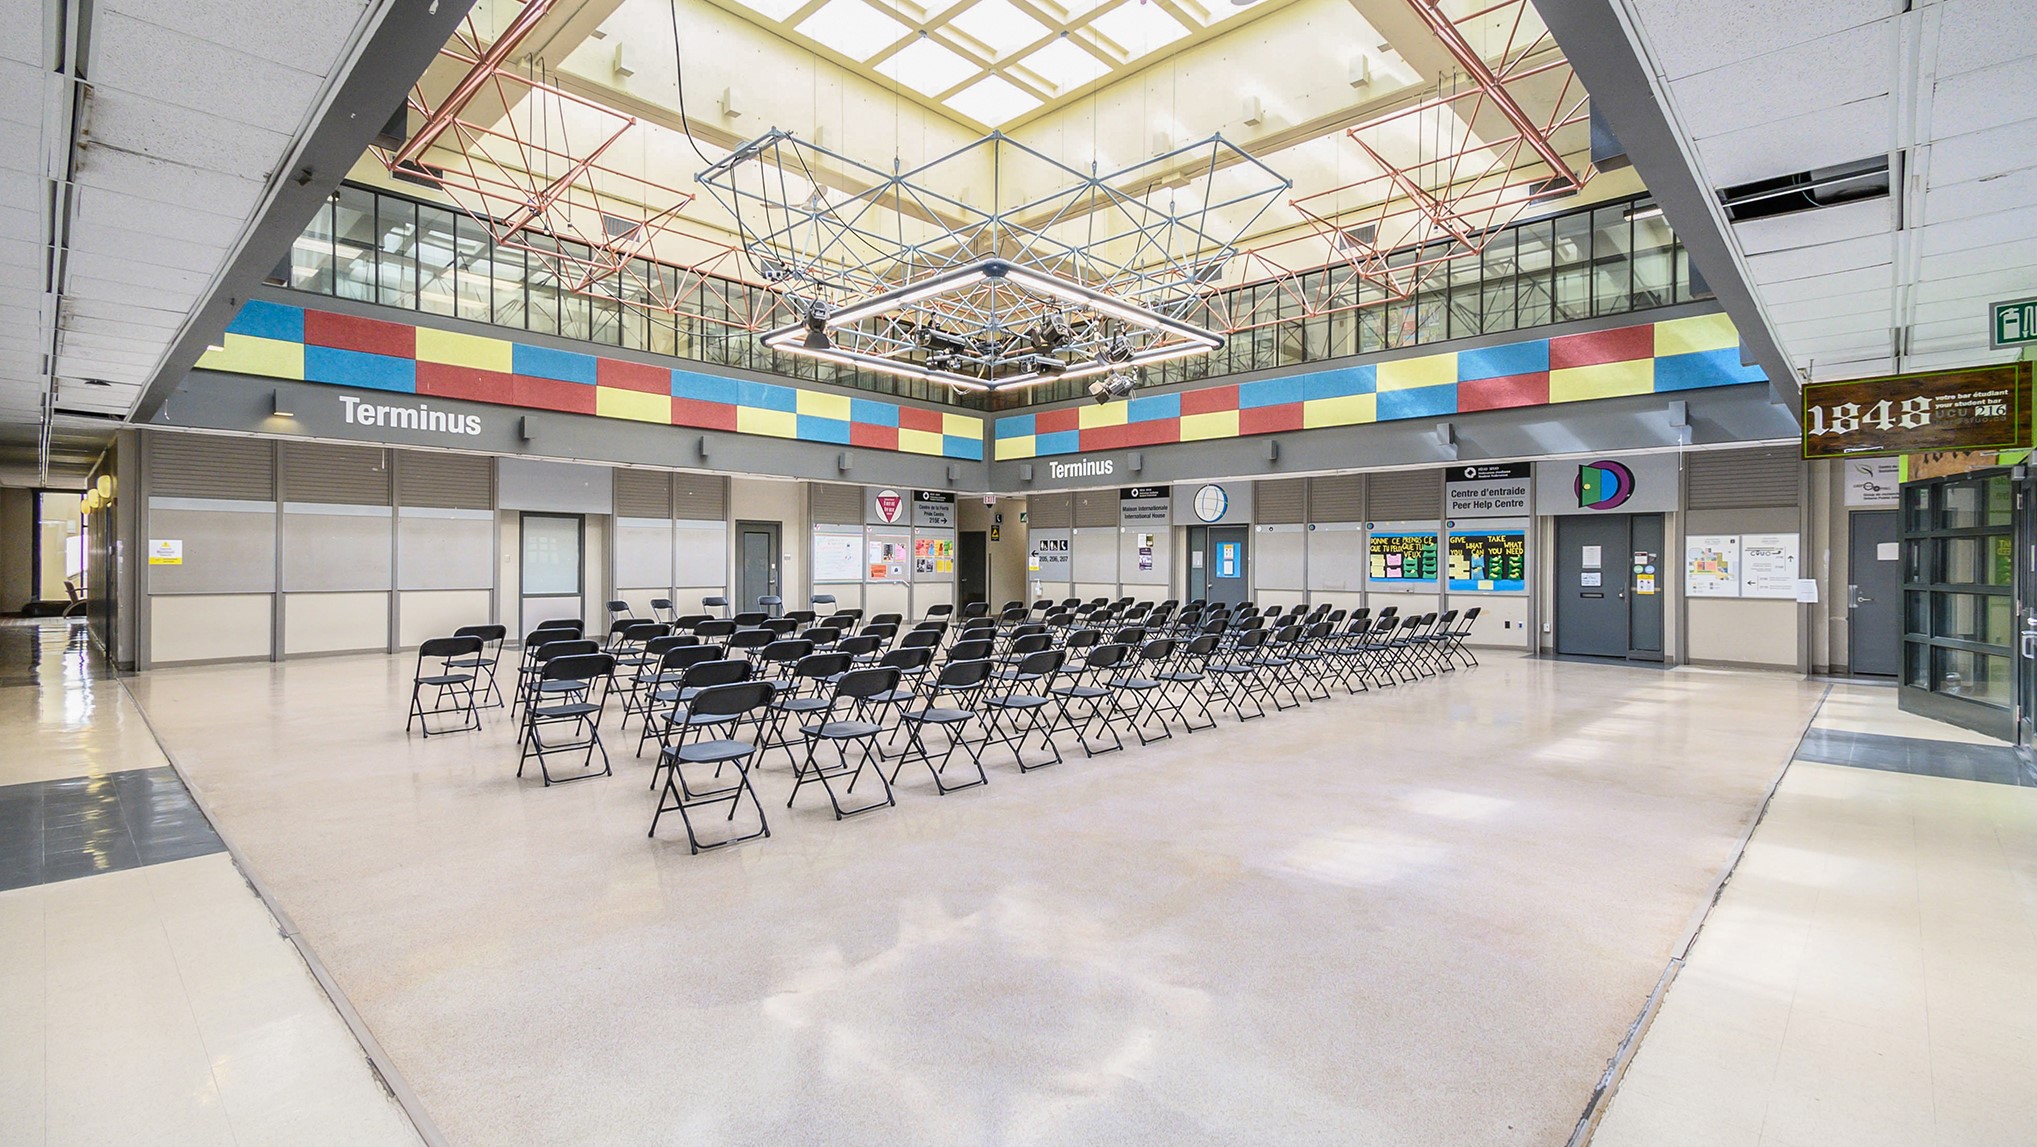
1835, 325
301, 34
1824, 306
2019, 255
1979, 231
1805, 262
156, 180
1811, 228
1975, 34
1980, 154
202, 75
2013, 191
2013, 283
1685, 34
1819, 139
88, 266
194, 139
1988, 98
1846, 67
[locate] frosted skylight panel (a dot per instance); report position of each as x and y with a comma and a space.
999, 26
927, 68
853, 28
1064, 64
773, 9
1139, 28
992, 100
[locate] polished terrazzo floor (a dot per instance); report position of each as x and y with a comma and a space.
1424, 916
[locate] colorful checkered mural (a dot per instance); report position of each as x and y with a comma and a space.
1654, 358
274, 340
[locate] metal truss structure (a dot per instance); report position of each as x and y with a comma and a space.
1057, 273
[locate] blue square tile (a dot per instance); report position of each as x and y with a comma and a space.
358, 368
1419, 402
266, 320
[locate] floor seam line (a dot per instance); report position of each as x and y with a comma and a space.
379, 1062
1630, 1045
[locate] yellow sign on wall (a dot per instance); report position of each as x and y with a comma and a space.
166, 551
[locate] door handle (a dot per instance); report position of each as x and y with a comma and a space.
2029, 644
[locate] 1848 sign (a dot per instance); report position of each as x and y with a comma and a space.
1987, 408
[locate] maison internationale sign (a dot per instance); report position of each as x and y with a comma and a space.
1982, 408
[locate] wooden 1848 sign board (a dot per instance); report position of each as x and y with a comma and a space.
1985, 408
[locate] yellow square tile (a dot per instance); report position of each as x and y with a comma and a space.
615, 402
823, 405
1020, 447
1701, 332
1110, 414
1409, 373
1214, 424
1606, 380
961, 425
1348, 410
920, 442
774, 423
246, 354
455, 349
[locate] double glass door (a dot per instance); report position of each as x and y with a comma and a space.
1966, 601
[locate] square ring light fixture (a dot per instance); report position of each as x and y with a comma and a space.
1065, 275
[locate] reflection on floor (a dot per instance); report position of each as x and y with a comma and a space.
145, 993
1424, 916
1869, 975
1919, 756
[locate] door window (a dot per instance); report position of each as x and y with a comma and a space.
551, 556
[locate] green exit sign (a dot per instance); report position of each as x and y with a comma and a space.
2012, 324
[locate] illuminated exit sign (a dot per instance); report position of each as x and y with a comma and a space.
2013, 324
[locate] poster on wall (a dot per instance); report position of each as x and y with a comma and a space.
166, 551
933, 555
1768, 565
1405, 557
835, 557
1873, 481
887, 559
1489, 560
1711, 565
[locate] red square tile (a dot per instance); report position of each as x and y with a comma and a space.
442, 380
1055, 421
1103, 438
1209, 399
1507, 390
1270, 419
914, 418
635, 376
702, 414
552, 394
345, 332
872, 436
1158, 432
1622, 344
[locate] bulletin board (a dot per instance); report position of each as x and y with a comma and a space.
1403, 555
887, 557
837, 556
1490, 556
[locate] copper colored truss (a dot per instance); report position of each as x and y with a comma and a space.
1411, 219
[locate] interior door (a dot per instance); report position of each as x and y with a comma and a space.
551, 569
1592, 558
1227, 565
756, 563
972, 574
1874, 597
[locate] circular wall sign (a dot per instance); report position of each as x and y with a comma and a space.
1211, 502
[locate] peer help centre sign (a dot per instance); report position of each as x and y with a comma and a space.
1488, 490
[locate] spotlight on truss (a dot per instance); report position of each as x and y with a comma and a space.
1116, 384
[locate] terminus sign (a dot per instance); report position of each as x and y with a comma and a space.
419, 417
1979, 409
1083, 468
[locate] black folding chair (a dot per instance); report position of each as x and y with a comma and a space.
532, 684
800, 694
1236, 674
1457, 637
661, 610
1082, 695
959, 683
576, 704
444, 666
704, 667
1141, 682
487, 661
858, 697
1019, 711
718, 714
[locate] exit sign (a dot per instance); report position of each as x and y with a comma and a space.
2012, 324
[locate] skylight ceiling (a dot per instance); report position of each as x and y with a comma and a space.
993, 62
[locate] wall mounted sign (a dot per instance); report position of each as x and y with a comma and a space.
934, 509
166, 551
1873, 481
1230, 559
1711, 565
1141, 505
1487, 490
887, 507
1768, 565
1626, 484
1083, 468
1603, 485
1984, 408
2012, 323
835, 557
1211, 503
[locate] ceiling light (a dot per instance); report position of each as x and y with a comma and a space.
817, 327
1638, 213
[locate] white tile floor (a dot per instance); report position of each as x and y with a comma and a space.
1868, 977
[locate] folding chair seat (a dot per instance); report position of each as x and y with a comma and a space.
720, 711
616, 629
972, 649
698, 667
863, 648
775, 661
452, 684
921, 639
750, 643
884, 631
716, 629
750, 619
822, 599
912, 663
639, 672
485, 663
1312, 660
576, 702
1141, 683
958, 684
1020, 648
800, 694
619, 609
857, 699
822, 636
1077, 645
1018, 712
1083, 695
545, 633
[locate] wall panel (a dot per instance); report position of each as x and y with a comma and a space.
209, 627
1336, 558
1278, 556
444, 549
1094, 557
334, 547
229, 546
643, 552
427, 613
334, 622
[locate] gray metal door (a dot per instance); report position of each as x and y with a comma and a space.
972, 570
1592, 558
756, 563
1874, 628
1227, 565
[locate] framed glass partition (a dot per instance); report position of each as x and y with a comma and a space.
1959, 600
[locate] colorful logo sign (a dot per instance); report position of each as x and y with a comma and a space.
890, 506
1603, 485
1211, 503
